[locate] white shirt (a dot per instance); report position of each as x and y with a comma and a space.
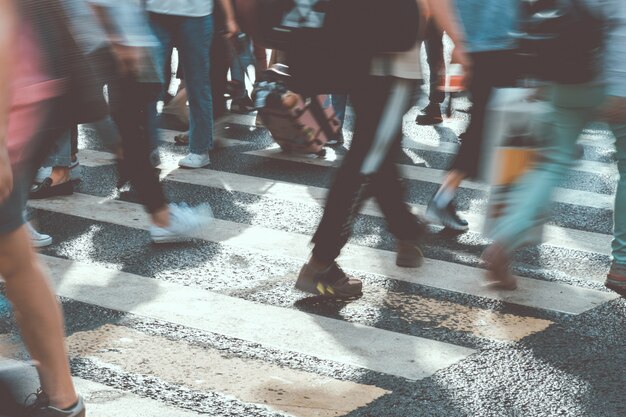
190, 8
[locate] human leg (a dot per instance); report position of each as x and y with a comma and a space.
194, 42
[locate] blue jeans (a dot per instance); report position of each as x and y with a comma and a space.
192, 36
340, 102
574, 106
241, 61
61, 155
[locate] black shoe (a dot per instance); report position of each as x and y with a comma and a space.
46, 189
446, 216
336, 141
431, 115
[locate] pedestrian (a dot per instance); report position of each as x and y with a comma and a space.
433, 42
32, 117
189, 25
134, 86
483, 39
573, 107
392, 83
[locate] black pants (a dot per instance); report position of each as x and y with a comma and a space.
133, 108
490, 70
350, 189
434, 55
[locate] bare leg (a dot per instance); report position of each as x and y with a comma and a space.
498, 264
38, 315
60, 175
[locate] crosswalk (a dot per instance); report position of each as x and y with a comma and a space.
215, 328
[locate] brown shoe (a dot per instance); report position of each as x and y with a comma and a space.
498, 265
616, 279
332, 282
409, 254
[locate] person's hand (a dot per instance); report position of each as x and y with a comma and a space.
614, 110
232, 28
129, 59
460, 56
6, 176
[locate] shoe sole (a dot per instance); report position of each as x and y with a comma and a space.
42, 243
193, 166
174, 239
429, 123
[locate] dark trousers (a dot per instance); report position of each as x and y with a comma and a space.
133, 108
490, 70
434, 55
350, 189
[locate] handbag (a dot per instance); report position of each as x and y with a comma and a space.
559, 41
329, 44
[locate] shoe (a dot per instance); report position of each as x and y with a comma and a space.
41, 408
499, 268
446, 216
409, 254
242, 105
332, 282
184, 221
258, 122
616, 279
339, 140
45, 172
39, 240
194, 160
46, 189
181, 139
431, 115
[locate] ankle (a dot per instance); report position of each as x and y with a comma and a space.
60, 175
161, 217
318, 265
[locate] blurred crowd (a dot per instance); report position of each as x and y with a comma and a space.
123, 67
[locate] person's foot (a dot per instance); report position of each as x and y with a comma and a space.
242, 105
446, 216
194, 160
181, 139
499, 268
45, 172
431, 115
183, 222
41, 408
39, 240
331, 282
616, 279
47, 190
336, 141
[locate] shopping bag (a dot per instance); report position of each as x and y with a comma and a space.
513, 137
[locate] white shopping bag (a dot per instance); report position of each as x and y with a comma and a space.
513, 135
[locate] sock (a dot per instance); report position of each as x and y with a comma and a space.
443, 197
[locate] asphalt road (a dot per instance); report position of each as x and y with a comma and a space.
214, 327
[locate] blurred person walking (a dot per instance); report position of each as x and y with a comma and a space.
380, 100
37, 57
134, 85
573, 107
483, 44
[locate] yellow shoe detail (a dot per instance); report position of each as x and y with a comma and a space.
320, 288
330, 289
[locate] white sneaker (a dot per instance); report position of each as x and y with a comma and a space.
39, 240
45, 172
184, 221
194, 160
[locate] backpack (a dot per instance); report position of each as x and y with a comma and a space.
329, 44
559, 41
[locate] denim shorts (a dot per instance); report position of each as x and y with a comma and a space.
11, 209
